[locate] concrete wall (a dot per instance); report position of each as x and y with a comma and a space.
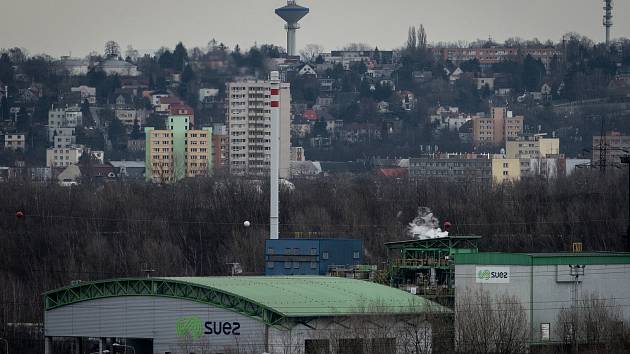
156, 318
550, 290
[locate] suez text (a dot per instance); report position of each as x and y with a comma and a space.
220, 328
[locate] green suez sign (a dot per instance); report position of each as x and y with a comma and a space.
493, 275
195, 328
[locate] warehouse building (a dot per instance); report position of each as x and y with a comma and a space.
297, 314
547, 285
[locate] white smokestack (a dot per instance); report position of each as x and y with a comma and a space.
275, 155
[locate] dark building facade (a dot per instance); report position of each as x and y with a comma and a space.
310, 256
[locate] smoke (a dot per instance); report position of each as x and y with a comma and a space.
425, 225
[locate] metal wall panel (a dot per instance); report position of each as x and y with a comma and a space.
155, 318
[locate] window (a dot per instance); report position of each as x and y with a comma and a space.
270, 251
270, 264
287, 251
316, 346
313, 251
355, 255
384, 345
296, 265
313, 265
325, 255
350, 346
287, 264
545, 331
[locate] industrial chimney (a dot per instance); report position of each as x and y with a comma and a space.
275, 156
291, 13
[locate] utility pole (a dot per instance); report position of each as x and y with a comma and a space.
626, 159
603, 147
577, 270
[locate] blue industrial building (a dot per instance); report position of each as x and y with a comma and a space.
310, 256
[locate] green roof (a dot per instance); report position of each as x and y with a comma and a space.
489, 258
269, 299
310, 296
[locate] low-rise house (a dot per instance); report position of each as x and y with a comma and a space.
70, 155
307, 70
72, 66
128, 169
362, 133
296, 153
407, 100
136, 145
300, 128
114, 66
301, 169
208, 95
87, 93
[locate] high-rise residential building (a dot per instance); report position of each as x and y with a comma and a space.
496, 128
221, 145
249, 125
177, 152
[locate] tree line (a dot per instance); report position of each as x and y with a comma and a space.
195, 228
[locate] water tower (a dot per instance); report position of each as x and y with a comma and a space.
291, 13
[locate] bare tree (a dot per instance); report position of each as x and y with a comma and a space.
412, 39
311, 52
357, 46
595, 323
486, 324
131, 53
422, 38
112, 49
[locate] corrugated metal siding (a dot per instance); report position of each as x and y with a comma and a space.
150, 317
496, 258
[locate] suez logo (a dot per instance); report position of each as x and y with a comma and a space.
493, 274
193, 326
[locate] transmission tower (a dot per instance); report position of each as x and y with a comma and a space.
608, 19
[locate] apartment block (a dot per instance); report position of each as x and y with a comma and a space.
15, 141
496, 128
531, 147
452, 167
70, 155
221, 145
177, 152
249, 125
68, 117
505, 169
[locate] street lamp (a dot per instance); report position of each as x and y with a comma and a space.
124, 346
6, 343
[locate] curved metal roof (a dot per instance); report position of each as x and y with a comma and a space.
269, 299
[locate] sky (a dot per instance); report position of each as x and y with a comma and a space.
76, 27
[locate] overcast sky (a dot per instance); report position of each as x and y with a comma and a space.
58, 27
